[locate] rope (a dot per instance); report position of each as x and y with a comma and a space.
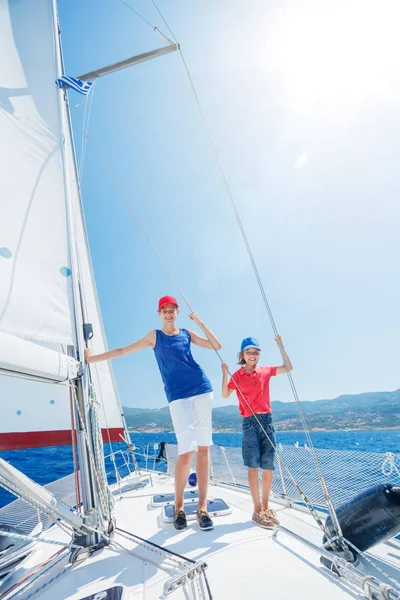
163, 263
74, 453
138, 221
295, 482
176, 558
30, 538
257, 275
389, 465
84, 311
50, 581
373, 563
174, 281
86, 120
25, 578
83, 141
107, 428
83, 302
106, 498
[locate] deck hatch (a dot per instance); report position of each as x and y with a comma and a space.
216, 507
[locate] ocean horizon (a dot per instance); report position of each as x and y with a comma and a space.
59, 462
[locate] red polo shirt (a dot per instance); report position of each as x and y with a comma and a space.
255, 388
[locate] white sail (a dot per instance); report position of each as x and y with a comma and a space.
42, 231
37, 414
35, 269
102, 374
17, 355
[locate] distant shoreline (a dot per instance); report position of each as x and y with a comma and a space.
371, 411
315, 430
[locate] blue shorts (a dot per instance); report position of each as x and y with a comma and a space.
257, 450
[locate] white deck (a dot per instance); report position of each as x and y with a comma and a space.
243, 559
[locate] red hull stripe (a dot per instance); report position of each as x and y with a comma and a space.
37, 439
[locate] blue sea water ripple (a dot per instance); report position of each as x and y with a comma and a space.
48, 464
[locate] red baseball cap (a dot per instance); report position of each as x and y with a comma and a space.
166, 300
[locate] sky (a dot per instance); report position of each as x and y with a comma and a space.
301, 97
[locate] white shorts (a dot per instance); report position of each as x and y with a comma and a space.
192, 421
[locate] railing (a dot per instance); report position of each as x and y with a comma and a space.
119, 471
121, 464
346, 473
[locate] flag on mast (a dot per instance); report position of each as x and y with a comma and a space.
83, 87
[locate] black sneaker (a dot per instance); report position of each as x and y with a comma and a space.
204, 520
180, 520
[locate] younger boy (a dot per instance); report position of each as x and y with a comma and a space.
258, 449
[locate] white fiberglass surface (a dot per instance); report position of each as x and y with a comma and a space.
242, 558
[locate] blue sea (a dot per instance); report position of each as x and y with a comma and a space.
47, 464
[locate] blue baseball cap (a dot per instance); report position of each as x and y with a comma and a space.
249, 342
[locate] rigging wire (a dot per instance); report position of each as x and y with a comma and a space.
79, 172
154, 27
132, 211
324, 487
137, 13
86, 120
159, 256
140, 224
258, 278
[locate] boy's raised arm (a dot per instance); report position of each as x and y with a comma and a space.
287, 365
210, 341
145, 342
226, 391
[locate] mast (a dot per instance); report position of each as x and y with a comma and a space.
89, 478
89, 486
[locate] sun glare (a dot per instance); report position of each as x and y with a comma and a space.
337, 53
301, 161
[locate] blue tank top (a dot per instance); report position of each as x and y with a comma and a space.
181, 374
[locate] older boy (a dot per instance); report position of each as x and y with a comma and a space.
189, 393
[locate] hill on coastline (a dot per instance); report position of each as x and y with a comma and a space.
371, 410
